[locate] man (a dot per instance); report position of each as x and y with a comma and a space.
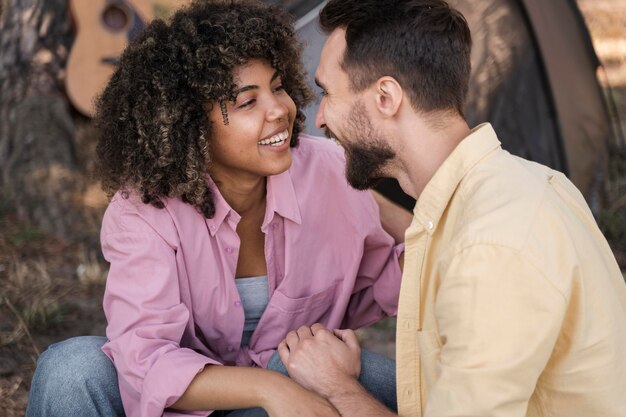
512, 303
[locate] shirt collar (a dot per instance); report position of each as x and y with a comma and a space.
222, 209
281, 199
435, 197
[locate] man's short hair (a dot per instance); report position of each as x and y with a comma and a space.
424, 44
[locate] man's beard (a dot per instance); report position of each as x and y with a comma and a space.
366, 151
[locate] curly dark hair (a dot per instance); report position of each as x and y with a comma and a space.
155, 134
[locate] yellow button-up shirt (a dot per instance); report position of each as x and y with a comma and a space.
512, 303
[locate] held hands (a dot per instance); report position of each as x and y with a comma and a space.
320, 359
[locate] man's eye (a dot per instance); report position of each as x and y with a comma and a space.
323, 93
279, 87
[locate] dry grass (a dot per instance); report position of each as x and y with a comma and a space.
33, 298
49, 290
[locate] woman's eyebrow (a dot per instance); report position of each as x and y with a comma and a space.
253, 86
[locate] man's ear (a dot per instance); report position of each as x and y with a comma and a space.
389, 96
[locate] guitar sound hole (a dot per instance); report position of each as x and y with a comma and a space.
115, 17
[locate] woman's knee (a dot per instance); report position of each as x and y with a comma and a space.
70, 364
67, 375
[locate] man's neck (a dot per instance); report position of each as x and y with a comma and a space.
423, 147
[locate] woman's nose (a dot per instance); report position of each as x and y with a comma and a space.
277, 110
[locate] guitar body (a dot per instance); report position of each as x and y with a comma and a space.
103, 30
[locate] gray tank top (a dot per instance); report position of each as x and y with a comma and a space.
255, 295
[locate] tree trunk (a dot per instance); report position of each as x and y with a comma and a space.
40, 175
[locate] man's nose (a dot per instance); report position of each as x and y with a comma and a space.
320, 122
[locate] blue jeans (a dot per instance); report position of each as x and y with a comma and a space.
75, 378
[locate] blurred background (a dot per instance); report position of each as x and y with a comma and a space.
550, 76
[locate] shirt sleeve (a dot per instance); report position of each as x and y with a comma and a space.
145, 316
498, 319
377, 285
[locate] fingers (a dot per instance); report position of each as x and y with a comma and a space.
349, 338
304, 332
343, 334
293, 338
283, 352
317, 327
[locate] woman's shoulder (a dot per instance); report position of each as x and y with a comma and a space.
318, 147
126, 212
319, 167
315, 153
318, 173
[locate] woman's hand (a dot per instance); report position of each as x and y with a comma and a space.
239, 387
291, 399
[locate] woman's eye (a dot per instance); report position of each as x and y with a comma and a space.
245, 104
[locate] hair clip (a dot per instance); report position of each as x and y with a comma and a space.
224, 111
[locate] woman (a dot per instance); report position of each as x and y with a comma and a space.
227, 228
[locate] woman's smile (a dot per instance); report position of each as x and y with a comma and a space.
276, 140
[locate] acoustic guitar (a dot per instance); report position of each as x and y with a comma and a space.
103, 29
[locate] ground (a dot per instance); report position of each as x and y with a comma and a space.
51, 289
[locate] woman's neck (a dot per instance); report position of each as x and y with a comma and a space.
245, 196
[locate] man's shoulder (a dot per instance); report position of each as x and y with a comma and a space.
501, 199
514, 203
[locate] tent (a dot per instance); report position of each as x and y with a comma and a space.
534, 77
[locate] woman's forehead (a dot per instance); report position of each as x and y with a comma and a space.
254, 70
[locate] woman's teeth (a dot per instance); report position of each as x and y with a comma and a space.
276, 140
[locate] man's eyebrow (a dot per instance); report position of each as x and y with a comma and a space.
245, 88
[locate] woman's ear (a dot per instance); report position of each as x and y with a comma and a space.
389, 95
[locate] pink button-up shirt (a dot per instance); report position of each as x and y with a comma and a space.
171, 302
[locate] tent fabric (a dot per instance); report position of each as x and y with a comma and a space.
571, 67
508, 86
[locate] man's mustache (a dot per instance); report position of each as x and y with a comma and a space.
329, 133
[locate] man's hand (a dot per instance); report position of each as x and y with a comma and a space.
320, 359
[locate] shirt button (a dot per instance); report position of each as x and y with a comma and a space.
430, 225
274, 225
229, 250
237, 303
212, 227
